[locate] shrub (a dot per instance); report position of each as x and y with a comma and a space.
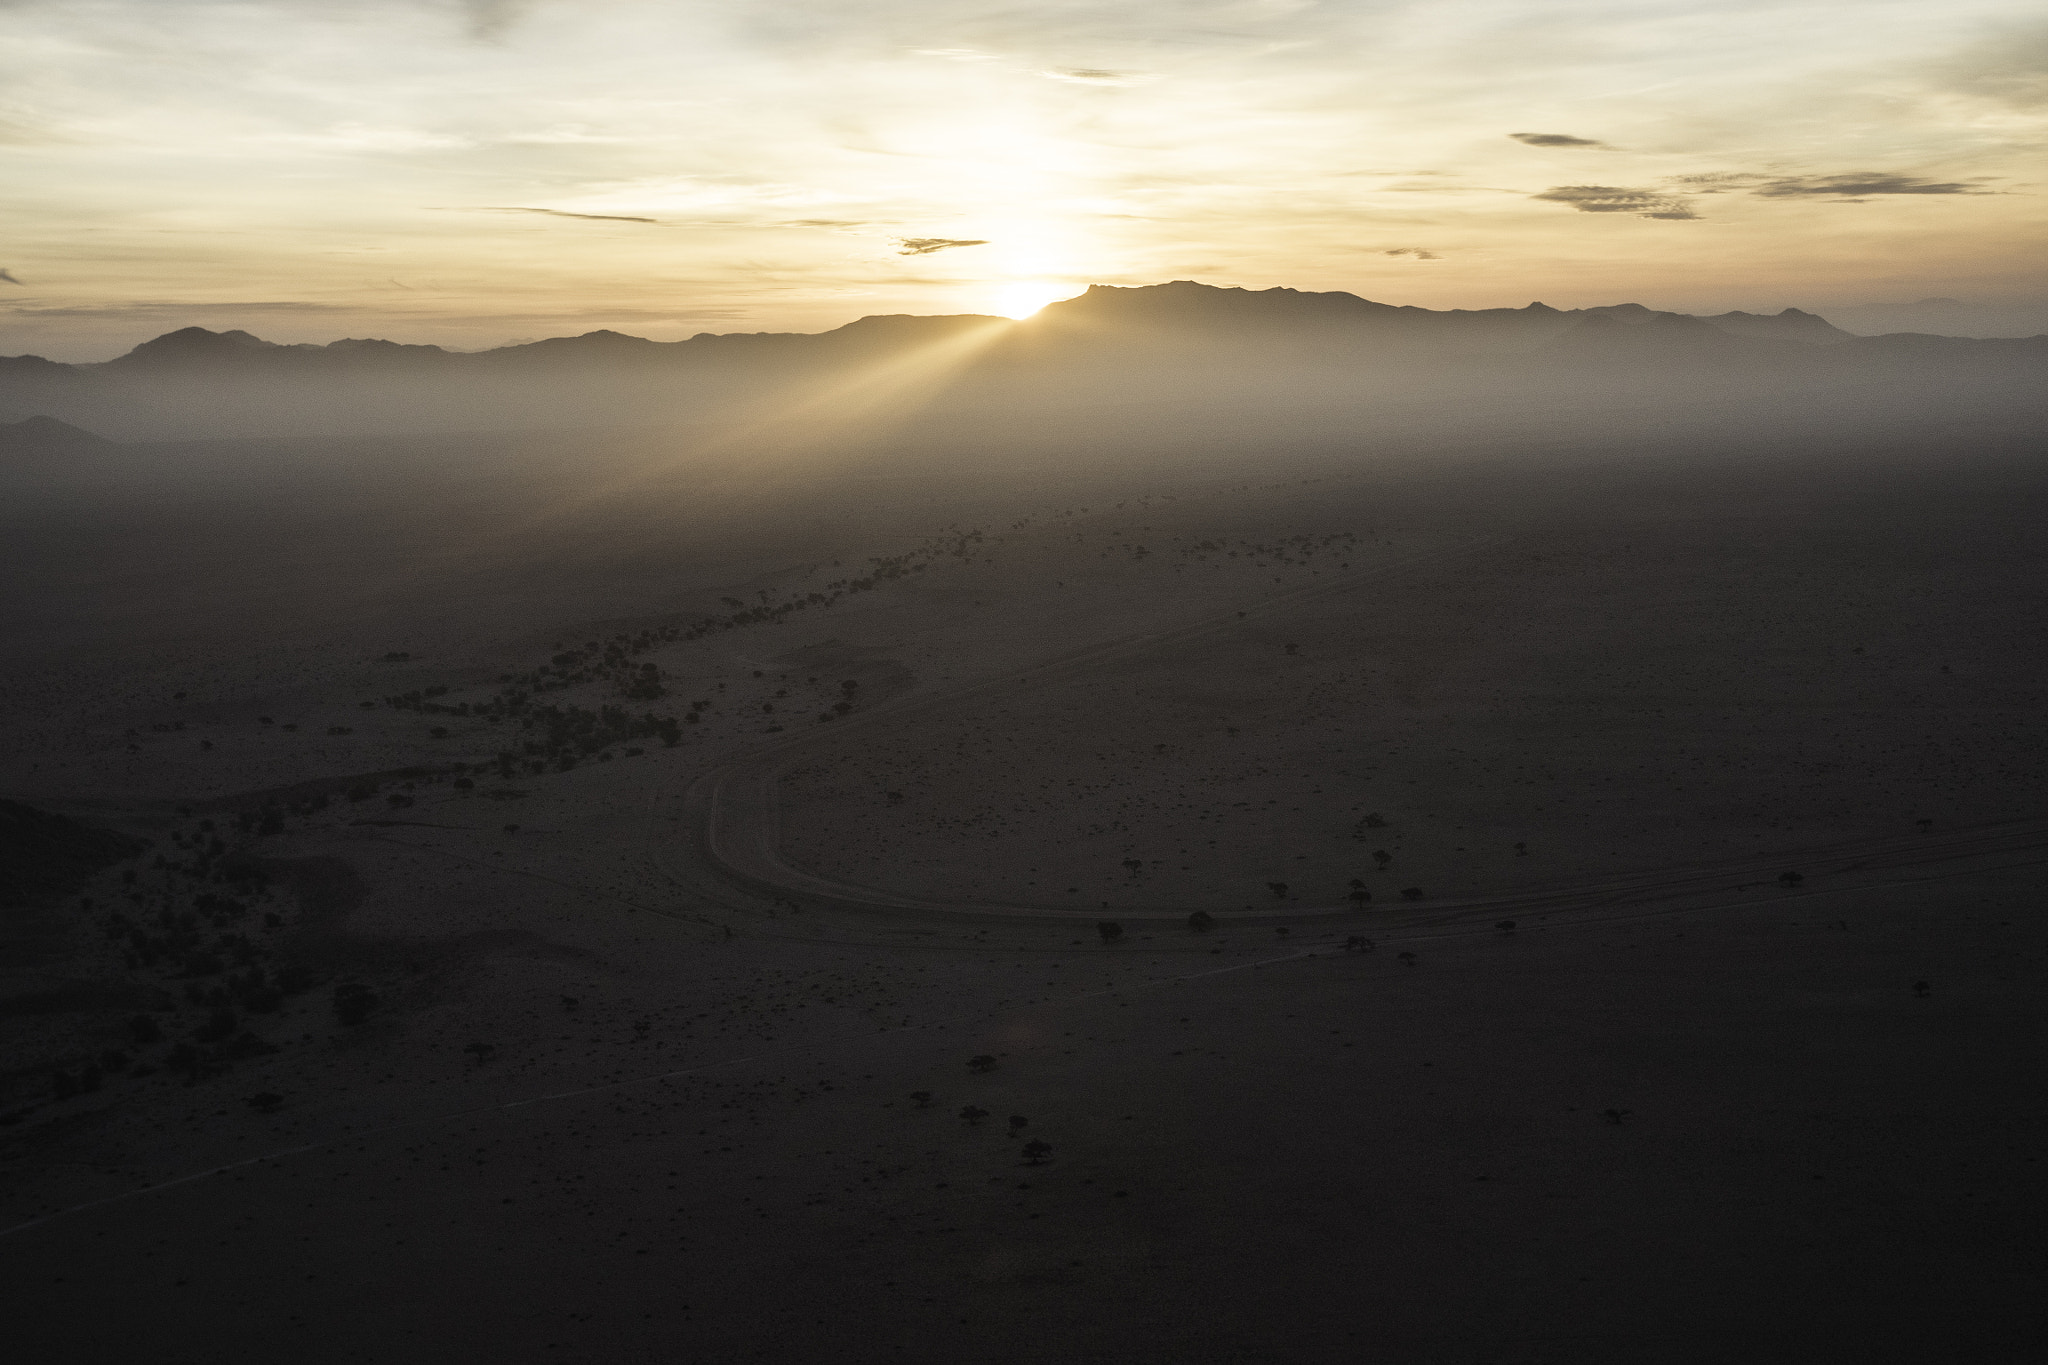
353, 1002
220, 1024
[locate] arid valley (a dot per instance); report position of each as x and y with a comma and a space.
1152, 885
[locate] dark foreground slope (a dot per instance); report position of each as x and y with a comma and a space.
425, 1028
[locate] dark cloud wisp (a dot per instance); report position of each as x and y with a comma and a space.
1417, 252
8, 276
925, 246
1859, 185
563, 213
1555, 140
1644, 203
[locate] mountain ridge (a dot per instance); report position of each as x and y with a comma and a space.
1176, 310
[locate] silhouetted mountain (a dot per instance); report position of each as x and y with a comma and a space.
47, 436
1109, 345
193, 346
195, 349
2004, 318
1790, 325
1599, 333
1180, 313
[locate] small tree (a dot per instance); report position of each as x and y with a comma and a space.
1036, 1151
1279, 890
982, 1064
921, 1098
1358, 943
1382, 857
973, 1114
1201, 922
1411, 893
1018, 1123
1110, 930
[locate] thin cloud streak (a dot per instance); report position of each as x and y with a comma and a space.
564, 213
925, 246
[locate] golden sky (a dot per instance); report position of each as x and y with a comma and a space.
468, 172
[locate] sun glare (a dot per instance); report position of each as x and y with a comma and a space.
1022, 299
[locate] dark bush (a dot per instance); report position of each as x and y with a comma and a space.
353, 1002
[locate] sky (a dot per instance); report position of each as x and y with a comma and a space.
474, 172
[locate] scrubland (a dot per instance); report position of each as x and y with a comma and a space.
583, 905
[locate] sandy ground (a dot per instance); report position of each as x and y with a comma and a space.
611, 1105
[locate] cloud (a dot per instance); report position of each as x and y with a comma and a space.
173, 308
489, 20
561, 213
1094, 75
925, 246
1618, 199
1859, 185
1417, 252
8, 275
1555, 140
2010, 67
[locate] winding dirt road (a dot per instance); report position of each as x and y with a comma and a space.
730, 821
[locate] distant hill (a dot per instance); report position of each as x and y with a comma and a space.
1180, 311
43, 853
1105, 345
2015, 318
47, 436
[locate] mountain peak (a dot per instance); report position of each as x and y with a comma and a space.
195, 344
1192, 304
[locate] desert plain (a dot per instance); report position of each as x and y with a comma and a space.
1534, 896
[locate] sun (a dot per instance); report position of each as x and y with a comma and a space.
1025, 297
